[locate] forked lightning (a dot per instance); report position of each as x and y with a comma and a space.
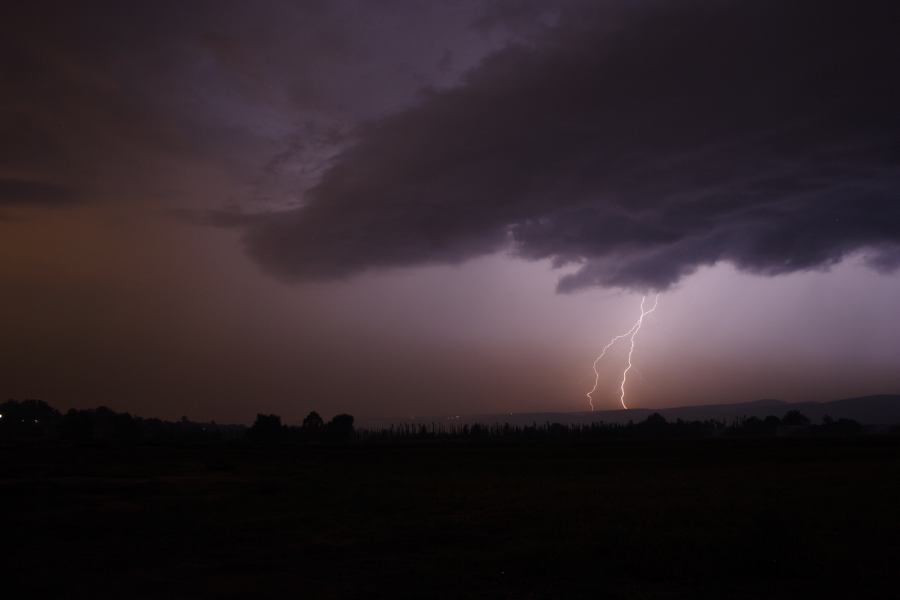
632, 333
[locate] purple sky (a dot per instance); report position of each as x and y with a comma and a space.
402, 208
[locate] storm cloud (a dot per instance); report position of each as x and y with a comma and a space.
761, 133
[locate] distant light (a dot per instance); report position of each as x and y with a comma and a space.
1, 415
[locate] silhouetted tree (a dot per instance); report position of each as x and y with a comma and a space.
340, 428
794, 418
266, 428
653, 426
313, 424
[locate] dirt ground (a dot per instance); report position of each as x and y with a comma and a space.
712, 518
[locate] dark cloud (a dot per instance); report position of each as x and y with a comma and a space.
172, 102
763, 133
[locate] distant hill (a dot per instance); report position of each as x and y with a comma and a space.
869, 410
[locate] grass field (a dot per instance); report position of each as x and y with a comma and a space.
710, 518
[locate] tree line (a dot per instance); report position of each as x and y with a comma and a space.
655, 426
37, 420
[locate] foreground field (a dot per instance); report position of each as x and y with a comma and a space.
712, 518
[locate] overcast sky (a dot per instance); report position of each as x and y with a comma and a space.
396, 208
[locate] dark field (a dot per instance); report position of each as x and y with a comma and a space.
713, 518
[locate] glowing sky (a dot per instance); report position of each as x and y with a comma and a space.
401, 208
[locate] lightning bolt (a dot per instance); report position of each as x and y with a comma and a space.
631, 333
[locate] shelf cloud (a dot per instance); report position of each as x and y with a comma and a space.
761, 133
